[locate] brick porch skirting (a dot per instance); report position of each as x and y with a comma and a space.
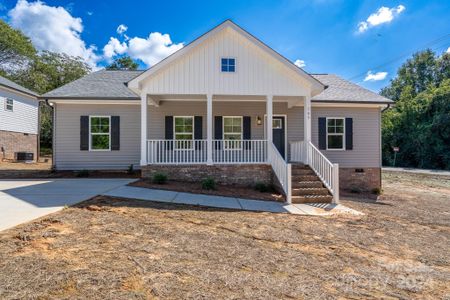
359, 179
241, 175
13, 142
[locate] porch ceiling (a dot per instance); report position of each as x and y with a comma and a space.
291, 100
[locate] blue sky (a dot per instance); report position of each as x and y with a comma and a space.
322, 33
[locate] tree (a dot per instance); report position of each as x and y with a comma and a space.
123, 63
419, 123
51, 70
15, 48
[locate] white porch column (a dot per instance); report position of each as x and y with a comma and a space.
143, 129
269, 112
209, 132
307, 126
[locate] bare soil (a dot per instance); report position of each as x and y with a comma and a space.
221, 190
110, 248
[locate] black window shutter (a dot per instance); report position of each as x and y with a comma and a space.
115, 133
169, 131
246, 130
348, 133
198, 131
84, 133
322, 133
218, 133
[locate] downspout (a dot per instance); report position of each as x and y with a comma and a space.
53, 131
386, 108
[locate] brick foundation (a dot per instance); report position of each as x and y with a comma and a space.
366, 181
242, 175
13, 142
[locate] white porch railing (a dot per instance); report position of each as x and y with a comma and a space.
328, 172
239, 151
176, 151
282, 170
195, 151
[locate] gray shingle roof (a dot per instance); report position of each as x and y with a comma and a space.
10, 84
105, 84
341, 90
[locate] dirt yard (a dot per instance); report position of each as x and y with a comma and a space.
124, 249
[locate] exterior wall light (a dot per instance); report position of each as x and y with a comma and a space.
258, 120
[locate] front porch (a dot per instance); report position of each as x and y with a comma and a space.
240, 130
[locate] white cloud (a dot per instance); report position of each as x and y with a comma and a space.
122, 28
152, 49
382, 15
52, 28
300, 63
448, 50
375, 76
89, 13
114, 47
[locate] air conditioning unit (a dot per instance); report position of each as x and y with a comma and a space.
24, 156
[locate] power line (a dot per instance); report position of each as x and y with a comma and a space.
435, 41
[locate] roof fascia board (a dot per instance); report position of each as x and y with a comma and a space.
14, 90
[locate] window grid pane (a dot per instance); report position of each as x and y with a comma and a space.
100, 137
228, 65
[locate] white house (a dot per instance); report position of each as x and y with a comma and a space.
229, 107
19, 122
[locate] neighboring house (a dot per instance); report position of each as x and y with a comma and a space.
19, 122
203, 111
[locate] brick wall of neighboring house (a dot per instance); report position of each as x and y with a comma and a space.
363, 179
12, 142
242, 175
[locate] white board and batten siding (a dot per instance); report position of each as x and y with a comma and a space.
68, 155
24, 117
198, 72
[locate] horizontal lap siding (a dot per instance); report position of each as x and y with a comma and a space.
366, 136
67, 147
23, 118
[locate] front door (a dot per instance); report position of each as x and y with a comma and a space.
278, 127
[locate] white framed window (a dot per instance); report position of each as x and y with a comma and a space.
277, 124
9, 104
183, 132
335, 133
228, 64
232, 132
99, 133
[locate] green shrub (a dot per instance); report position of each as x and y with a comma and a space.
159, 178
209, 184
130, 169
261, 187
376, 191
82, 173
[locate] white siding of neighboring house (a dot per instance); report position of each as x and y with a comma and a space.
24, 117
199, 71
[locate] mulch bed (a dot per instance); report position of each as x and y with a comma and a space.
222, 190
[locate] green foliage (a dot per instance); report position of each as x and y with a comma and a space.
419, 123
82, 173
15, 48
264, 188
130, 169
159, 178
123, 63
209, 184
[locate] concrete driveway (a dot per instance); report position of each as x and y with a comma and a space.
24, 200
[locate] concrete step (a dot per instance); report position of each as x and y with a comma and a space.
307, 184
312, 199
298, 178
309, 191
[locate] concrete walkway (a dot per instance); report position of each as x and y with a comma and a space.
24, 200
227, 202
418, 171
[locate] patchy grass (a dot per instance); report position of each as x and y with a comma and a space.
127, 249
